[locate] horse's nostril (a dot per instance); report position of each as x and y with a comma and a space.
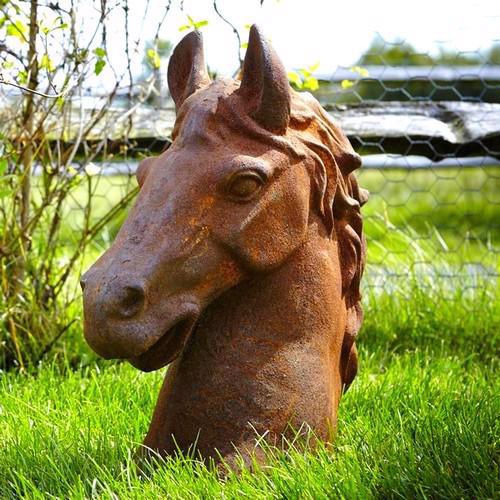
131, 300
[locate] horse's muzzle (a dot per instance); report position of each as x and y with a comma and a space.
121, 323
168, 347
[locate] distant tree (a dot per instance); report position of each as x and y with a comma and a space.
454, 58
494, 54
397, 53
402, 53
156, 54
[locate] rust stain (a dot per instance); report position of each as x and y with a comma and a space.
245, 266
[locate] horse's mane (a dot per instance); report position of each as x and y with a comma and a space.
339, 200
313, 137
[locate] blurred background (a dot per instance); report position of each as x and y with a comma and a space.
83, 97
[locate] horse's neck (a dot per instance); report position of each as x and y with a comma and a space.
299, 301
270, 346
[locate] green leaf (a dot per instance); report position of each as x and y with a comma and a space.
361, 71
99, 66
200, 24
3, 165
346, 84
311, 83
60, 102
22, 77
314, 67
153, 58
5, 192
192, 24
17, 29
295, 79
47, 63
100, 52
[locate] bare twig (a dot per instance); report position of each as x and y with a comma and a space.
12, 53
162, 20
235, 31
32, 91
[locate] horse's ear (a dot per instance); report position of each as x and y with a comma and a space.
265, 84
186, 69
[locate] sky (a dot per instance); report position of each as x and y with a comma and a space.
303, 32
333, 33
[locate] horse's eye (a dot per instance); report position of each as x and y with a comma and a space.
245, 185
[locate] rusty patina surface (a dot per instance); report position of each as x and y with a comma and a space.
240, 262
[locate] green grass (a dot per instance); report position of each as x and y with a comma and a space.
420, 421
453, 213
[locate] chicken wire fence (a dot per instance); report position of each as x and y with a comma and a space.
432, 168
432, 220
433, 214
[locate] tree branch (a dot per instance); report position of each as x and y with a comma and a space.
32, 91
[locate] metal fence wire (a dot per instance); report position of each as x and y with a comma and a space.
429, 134
430, 140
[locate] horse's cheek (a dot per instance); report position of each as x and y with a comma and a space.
265, 240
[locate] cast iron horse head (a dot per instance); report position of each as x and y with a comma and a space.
240, 262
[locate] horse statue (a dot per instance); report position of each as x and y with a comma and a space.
239, 264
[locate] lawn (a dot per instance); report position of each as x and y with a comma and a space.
419, 421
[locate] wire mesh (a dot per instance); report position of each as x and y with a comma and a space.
433, 218
433, 215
